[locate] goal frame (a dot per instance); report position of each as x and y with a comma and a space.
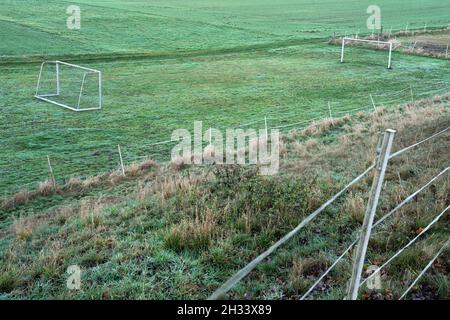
367, 41
87, 71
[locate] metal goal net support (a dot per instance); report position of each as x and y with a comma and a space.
70, 86
349, 40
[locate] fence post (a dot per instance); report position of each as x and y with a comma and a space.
331, 115
267, 129
373, 103
121, 160
383, 154
51, 172
412, 94
390, 55
342, 50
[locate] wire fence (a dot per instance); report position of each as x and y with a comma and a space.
30, 171
239, 275
427, 47
393, 211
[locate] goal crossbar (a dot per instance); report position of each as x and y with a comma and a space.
367, 41
57, 63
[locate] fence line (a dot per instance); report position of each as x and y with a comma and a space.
311, 289
231, 282
418, 143
408, 199
425, 269
405, 247
141, 148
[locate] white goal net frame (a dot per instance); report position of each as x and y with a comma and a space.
344, 40
86, 71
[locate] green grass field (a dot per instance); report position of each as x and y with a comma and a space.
168, 63
113, 26
238, 64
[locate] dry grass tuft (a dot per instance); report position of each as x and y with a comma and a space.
322, 126
90, 212
23, 229
46, 188
195, 234
92, 182
311, 144
116, 177
354, 206
148, 164
74, 184
179, 163
137, 169
20, 198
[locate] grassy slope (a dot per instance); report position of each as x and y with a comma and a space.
132, 238
169, 234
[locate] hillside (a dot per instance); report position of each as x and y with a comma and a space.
167, 231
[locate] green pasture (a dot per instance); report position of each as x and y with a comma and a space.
167, 64
146, 99
38, 28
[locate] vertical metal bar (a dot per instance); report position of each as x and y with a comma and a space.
412, 94
342, 50
373, 102
390, 55
446, 52
100, 98
380, 170
81, 90
57, 78
39, 79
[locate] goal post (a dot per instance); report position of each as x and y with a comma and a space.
346, 40
70, 86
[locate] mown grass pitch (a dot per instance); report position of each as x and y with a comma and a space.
145, 100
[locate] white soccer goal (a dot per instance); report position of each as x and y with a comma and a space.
346, 40
70, 86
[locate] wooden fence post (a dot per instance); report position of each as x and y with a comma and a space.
383, 154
